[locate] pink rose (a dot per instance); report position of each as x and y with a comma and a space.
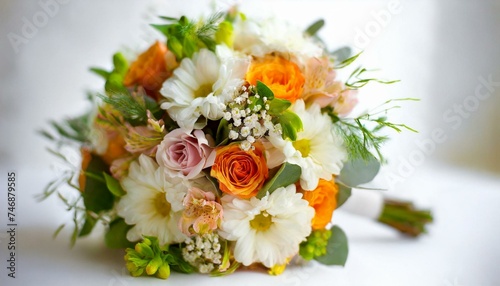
185, 155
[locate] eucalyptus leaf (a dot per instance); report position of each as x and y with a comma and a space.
343, 194
359, 171
315, 27
287, 174
114, 186
348, 61
336, 250
342, 54
116, 237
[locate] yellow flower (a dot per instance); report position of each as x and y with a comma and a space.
283, 77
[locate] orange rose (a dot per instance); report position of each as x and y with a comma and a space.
240, 173
283, 77
324, 201
150, 69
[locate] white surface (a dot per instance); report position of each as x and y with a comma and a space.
367, 203
461, 249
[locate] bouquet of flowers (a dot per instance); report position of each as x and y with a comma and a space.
225, 146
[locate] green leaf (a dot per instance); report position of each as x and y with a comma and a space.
164, 29
175, 46
116, 237
100, 72
288, 174
180, 264
58, 230
315, 27
348, 61
341, 54
168, 18
359, 171
343, 194
336, 250
87, 226
264, 91
290, 124
222, 135
113, 185
97, 196
278, 106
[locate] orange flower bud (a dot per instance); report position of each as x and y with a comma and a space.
150, 70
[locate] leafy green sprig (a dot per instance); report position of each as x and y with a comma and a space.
185, 37
362, 134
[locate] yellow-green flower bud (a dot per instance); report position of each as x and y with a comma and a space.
163, 271
131, 267
153, 265
225, 34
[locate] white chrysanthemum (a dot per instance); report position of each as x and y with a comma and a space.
153, 203
268, 230
318, 150
272, 35
202, 85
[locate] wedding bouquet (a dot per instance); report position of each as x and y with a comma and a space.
228, 145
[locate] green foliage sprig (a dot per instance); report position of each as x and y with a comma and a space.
185, 37
362, 134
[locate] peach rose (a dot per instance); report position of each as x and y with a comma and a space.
324, 201
240, 173
151, 69
283, 77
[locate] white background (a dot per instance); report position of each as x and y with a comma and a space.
439, 50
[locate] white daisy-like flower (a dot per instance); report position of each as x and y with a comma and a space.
318, 150
268, 230
262, 37
202, 85
153, 203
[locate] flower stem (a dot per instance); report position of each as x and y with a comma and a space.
404, 217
